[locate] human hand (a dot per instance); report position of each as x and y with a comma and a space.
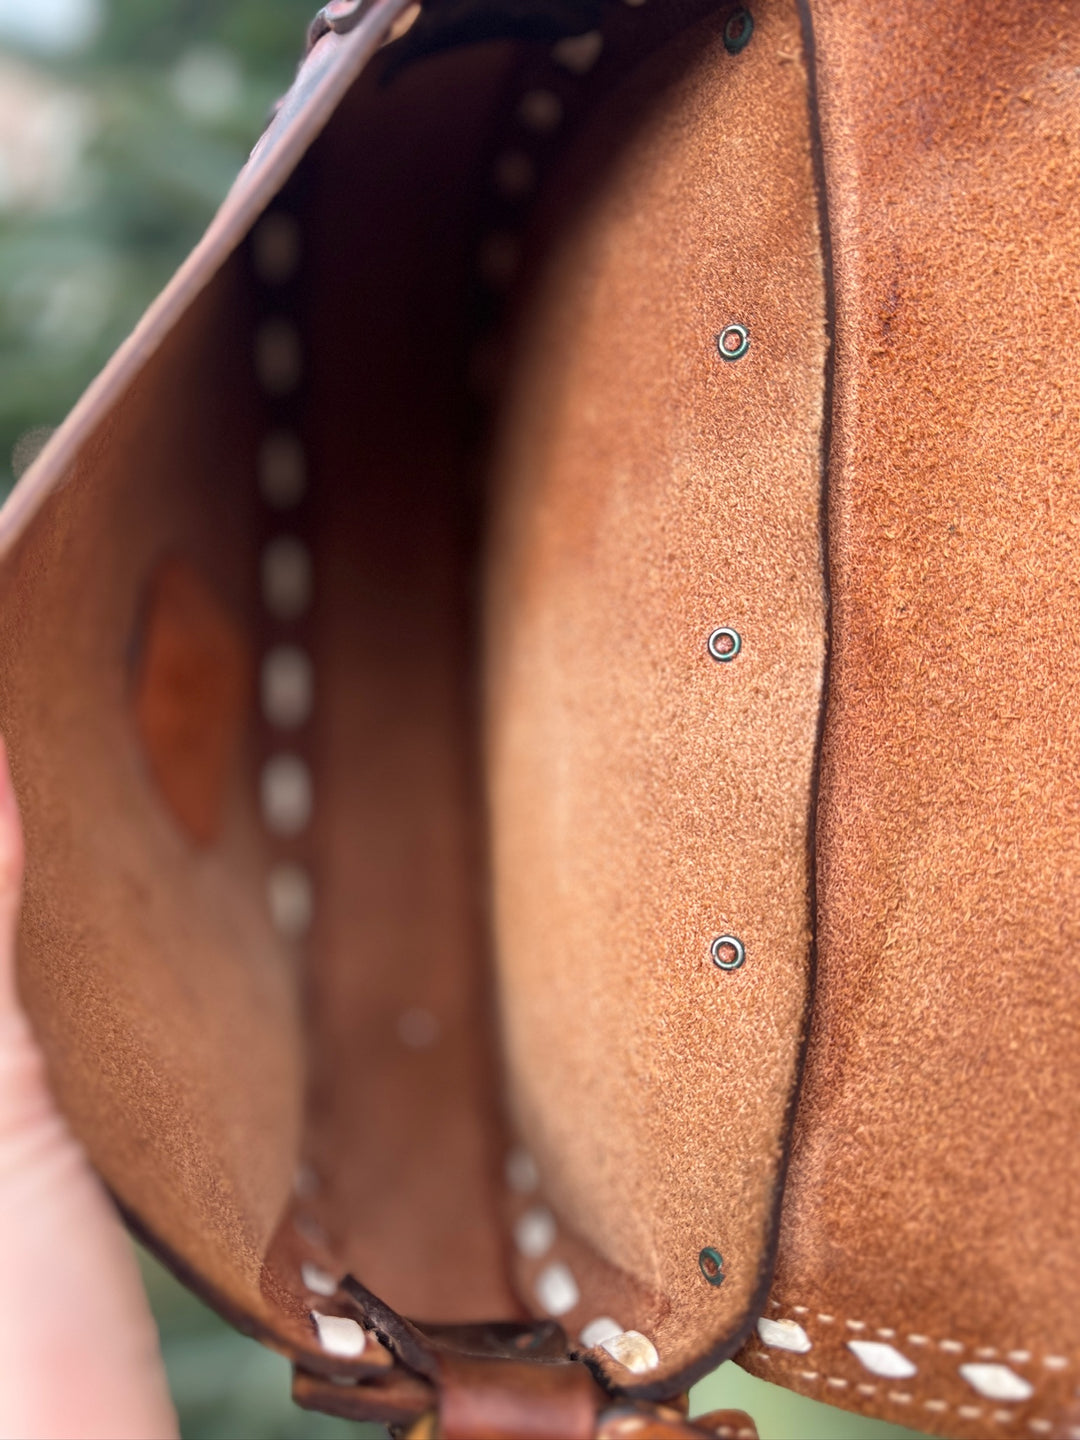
79, 1352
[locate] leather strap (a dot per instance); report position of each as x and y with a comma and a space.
503, 1381
486, 1399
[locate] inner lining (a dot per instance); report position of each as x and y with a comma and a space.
648, 799
639, 493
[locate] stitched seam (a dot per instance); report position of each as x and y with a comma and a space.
903, 1397
965, 1411
1019, 1355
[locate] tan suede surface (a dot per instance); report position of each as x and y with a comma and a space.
161, 996
933, 1198
192, 695
644, 798
641, 798
407, 1140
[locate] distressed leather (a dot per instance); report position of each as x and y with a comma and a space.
534, 486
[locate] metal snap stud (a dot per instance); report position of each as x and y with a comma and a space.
737, 31
711, 1264
728, 952
724, 644
733, 342
340, 16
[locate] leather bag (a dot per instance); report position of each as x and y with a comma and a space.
544, 686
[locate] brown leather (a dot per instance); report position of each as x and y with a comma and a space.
535, 485
191, 696
486, 1399
397, 1399
932, 1198
646, 799
497, 1380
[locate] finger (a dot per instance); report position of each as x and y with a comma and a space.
79, 1354
11, 875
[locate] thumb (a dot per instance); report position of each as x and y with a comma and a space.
79, 1354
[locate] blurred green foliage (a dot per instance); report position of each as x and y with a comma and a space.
224, 1385
140, 135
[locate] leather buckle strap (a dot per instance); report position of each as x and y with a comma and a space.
484, 1398
502, 1381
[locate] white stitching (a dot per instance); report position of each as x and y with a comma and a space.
954, 1347
1037, 1426
938, 1407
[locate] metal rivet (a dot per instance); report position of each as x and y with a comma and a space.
344, 15
733, 342
728, 953
724, 644
737, 31
711, 1264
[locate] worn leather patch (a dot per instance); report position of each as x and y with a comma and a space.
648, 798
191, 691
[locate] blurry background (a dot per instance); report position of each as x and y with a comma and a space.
122, 124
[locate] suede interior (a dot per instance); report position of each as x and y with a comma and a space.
162, 997
534, 488
644, 797
525, 761
932, 1201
